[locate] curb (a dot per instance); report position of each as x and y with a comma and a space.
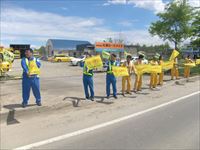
9, 116
184, 80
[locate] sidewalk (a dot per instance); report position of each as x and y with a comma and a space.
61, 90
60, 101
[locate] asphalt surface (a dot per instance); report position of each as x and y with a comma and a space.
175, 126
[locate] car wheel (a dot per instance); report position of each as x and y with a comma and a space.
59, 60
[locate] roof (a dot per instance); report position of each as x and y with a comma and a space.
59, 44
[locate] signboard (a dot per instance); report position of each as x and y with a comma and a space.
167, 65
198, 62
108, 46
190, 64
174, 54
94, 62
120, 71
147, 68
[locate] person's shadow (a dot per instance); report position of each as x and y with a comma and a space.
75, 100
102, 100
11, 115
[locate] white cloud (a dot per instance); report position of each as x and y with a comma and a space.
127, 23
28, 26
116, 2
106, 4
64, 8
194, 3
143, 37
154, 5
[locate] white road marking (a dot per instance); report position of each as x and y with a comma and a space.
82, 131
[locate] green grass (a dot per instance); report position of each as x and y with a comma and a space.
193, 71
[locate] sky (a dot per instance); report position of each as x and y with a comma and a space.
35, 21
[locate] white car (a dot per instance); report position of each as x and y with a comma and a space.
134, 59
77, 61
144, 61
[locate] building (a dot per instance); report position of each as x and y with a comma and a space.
21, 48
193, 52
132, 49
69, 47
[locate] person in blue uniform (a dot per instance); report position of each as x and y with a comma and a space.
88, 81
30, 78
110, 78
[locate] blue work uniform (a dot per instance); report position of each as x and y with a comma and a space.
110, 79
29, 82
88, 81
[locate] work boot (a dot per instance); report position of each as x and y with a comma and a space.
39, 104
123, 94
108, 97
92, 98
24, 105
115, 96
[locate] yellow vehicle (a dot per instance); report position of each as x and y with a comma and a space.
17, 54
61, 58
6, 60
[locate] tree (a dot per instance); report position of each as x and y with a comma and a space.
174, 23
196, 29
41, 50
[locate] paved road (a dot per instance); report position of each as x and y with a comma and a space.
175, 126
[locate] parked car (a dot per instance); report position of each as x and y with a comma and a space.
61, 58
144, 61
134, 59
77, 61
103, 69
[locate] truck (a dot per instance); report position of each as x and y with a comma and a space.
6, 60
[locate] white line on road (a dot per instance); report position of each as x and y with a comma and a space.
82, 131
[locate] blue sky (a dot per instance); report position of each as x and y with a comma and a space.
35, 21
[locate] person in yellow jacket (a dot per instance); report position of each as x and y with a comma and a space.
138, 77
30, 78
153, 76
187, 68
161, 75
130, 67
174, 70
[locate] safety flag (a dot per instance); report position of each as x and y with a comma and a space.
94, 62
120, 71
147, 68
167, 65
174, 54
8, 56
190, 64
140, 69
197, 61
105, 55
155, 69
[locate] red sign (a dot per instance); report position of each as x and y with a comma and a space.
108, 45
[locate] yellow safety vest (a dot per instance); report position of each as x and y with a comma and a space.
86, 71
32, 67
110, 67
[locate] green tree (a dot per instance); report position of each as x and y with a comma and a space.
174, 23
41, 50
196, 29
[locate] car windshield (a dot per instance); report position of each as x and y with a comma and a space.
81, 57
59, 56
